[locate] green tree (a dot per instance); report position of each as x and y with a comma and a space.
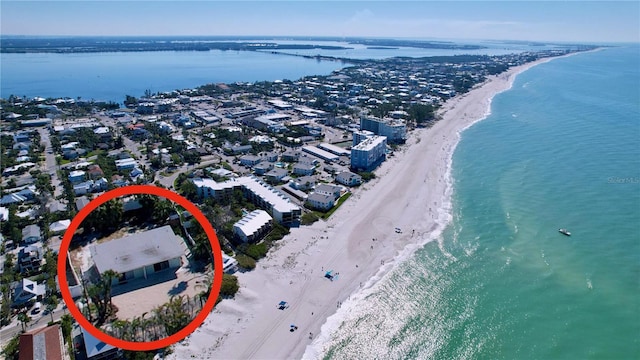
100, 295
229, 285
24, 320
189, 190
66, 323
10, 350
173, 315
421, 114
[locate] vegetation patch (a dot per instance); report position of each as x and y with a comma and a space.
342, 199
309, 218
246, 262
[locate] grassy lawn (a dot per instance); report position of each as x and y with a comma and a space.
342, 199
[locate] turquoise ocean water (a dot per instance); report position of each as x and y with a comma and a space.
560, 149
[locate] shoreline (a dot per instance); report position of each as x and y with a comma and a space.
252, 327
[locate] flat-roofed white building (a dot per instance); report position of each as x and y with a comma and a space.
256, 191
360, 136
322, 154
394, 130
368, 154
252, 226
337, 150
280, 104
139, 255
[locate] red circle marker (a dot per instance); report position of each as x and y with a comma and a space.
217, 268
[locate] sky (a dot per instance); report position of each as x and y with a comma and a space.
572, 21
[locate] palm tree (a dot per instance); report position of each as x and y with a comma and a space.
118, 327
176, 315
107, 279
24, 319
205, 284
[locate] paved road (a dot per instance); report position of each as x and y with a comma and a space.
167, 181
38, 321
50, 165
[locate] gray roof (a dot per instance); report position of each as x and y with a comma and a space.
30, 231
277, 172
327, 188
81, 202
138, 250
323, 198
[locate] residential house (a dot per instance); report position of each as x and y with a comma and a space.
290, 156
276, 175
57, 207
81, 202
125, 164
318, 201
237, 149
59, 226
31, 234
12, 198
76, 176
262, 168
304, 169
4, 214
331, 190
26, 291
95, 349
139, 255
303, 183
30, 258
118, 181
348, 178
95, 172
42, 343
269, 156
83, 188
250, 160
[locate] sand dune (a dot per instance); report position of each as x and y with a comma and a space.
411, 192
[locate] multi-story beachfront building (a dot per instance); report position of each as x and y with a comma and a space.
360, 136
252, 226
256, 191
368, 154
395, 130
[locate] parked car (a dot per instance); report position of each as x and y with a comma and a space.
37, 308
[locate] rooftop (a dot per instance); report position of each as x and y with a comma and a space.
137, 250
370, 143
253, 221
277, 200
44, 343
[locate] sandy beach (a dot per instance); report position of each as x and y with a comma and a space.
412, 192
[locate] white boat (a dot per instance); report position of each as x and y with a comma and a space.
565, 232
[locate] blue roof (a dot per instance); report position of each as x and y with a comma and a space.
93, 345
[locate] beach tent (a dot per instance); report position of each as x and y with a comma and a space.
283, 305
328, 275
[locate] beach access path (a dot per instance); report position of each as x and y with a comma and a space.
412, 192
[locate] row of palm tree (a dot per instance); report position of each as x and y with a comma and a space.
165, 320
